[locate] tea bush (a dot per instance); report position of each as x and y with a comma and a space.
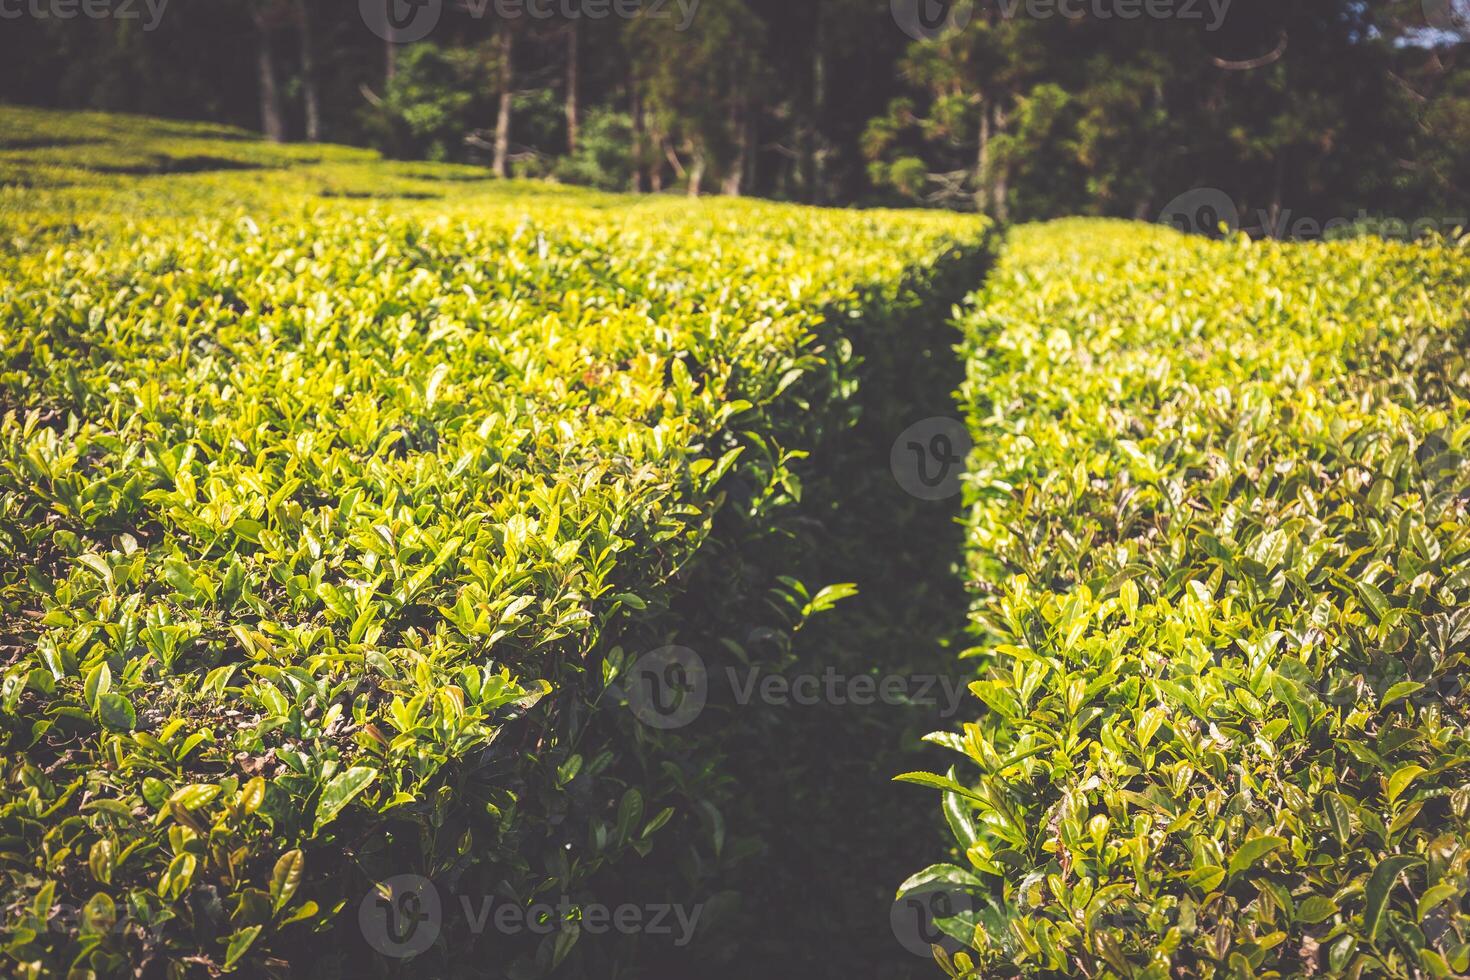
336, 495
1220, 555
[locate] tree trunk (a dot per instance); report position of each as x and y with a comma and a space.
749, 152
1002, 187
740, 124
983, 195
655, 167
730, 183
390, 44
636, 109
819, 110
673, 157
309, 92
574, 119
696, 171
272, 118
502, 119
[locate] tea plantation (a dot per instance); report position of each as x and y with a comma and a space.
332, 493
339, 497
1220, 554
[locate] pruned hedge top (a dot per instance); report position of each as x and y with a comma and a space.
1221, 554
302, 499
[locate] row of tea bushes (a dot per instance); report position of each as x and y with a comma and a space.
327, 528
1220, 555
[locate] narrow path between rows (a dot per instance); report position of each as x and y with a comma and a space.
841, 835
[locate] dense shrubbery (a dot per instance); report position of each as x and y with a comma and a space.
337, 497
325, 527
1221, 557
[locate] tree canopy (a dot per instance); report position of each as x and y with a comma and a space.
1299, 111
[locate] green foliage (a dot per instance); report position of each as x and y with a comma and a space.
699, 82
601, 159
1034, 117
327, 525
1220, 553
437, 96
1320, 108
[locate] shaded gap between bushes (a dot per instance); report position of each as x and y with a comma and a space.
816, 836
814, 782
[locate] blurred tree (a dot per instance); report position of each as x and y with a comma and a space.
699, 86
1295, 108
311, 97
434, 100
505, 47
268, 15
